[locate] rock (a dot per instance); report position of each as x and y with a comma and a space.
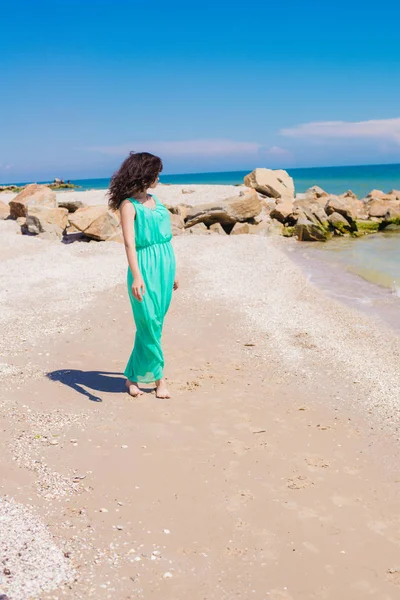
97, 222
4, 210
367, 226
49, 223
378, 208
177, 224
343, 206
393, 213
311, 210
275, 227
348, 194
106, 226
116, 237
240, 228
32, 195
227, 212
217, 228
315, 193
339, 223
271, 183
187, 191
72, 229
307, 231
71, 205
180, 209
376, 194
199, 228
395, 194
83, 217
283, 211
288, 231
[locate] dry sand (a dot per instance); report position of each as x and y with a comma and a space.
168, 194
270, 474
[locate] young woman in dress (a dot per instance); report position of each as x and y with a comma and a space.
146, 228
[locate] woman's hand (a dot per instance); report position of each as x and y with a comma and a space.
176, 284
138, 288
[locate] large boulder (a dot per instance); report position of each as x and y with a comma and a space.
283, 211
377, 208
274, 184
96, 222
240, 228
4, 210
47, 222
316, 193
71, 205
32, 195
312, 210
227, 212
307, 231
177, 224
217, 228
343, 206
395, 194
106, 226
393, 214
83, 217
339, 223
199, 228
376, 194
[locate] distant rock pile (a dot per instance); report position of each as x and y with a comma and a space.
37, 211
268, 206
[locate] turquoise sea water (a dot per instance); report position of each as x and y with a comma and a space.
335, 180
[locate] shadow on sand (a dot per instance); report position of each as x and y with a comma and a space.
98, 381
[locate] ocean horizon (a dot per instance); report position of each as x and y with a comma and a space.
361, 179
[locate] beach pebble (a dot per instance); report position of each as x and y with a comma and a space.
119, 527
166, 531
156, 553
124, 446
103, 510
53, 443
167, 575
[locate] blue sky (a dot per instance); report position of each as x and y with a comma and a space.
210, 86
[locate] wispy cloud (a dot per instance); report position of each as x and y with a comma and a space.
379, 129
5, 167
202, 147
278, 152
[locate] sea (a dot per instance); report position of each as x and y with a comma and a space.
371, 263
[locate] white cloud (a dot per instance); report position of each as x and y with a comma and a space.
204, 147
278, 151
379, 129
6, 167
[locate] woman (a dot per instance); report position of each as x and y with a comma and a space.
146, 228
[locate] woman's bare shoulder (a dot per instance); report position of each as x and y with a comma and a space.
127, 206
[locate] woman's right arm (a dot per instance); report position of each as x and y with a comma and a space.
128, 215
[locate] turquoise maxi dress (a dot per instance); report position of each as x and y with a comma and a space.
156, 260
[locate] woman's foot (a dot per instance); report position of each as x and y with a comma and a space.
133, 388
162, 390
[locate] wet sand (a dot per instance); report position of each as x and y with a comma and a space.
270, 474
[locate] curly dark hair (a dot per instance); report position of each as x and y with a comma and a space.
138, 171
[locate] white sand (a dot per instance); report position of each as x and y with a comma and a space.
301, 334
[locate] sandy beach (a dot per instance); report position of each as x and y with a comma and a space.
168, 194
270, 474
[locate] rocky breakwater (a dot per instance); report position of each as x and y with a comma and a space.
318, 215
37, 211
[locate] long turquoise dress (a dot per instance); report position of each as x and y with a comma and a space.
156, 260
